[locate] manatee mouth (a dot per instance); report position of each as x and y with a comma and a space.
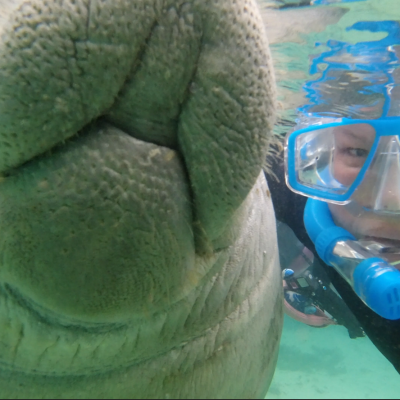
53, 320
34, 340
43, 339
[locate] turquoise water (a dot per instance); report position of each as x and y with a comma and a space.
334, 58
325, 364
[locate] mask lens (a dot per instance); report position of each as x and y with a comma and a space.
330, 159
380, 189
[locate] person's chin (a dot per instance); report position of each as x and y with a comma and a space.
390, 239
368, 226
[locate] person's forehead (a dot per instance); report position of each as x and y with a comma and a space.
356, 131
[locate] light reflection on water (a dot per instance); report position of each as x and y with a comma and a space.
333, 58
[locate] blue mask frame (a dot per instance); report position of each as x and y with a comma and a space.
386, 126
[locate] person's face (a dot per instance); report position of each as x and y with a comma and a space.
352, 146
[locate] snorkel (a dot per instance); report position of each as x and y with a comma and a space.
361, 263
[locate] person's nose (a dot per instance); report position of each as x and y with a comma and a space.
385, 188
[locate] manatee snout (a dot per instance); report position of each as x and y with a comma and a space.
107, 224
138, 251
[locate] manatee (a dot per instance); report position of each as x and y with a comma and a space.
138, 253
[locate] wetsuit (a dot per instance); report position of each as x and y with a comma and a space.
289, 208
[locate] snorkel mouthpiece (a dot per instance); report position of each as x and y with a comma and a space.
374, 280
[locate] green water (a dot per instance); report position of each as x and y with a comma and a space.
325, 363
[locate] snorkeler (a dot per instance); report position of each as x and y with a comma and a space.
350, 172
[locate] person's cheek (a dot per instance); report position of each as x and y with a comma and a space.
339, 171
343, 173
363, 224
343, 218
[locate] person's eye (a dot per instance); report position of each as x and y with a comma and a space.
356, 152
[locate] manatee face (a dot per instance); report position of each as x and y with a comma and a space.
137, 238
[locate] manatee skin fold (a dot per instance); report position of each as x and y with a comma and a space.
138, 253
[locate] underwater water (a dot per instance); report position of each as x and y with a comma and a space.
326, 364
333, 58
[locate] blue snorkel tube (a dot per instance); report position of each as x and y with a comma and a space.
375, 281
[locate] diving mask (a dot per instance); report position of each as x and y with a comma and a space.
348, 160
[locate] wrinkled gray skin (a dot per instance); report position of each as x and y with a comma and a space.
138, 257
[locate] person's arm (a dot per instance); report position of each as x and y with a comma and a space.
317, 285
